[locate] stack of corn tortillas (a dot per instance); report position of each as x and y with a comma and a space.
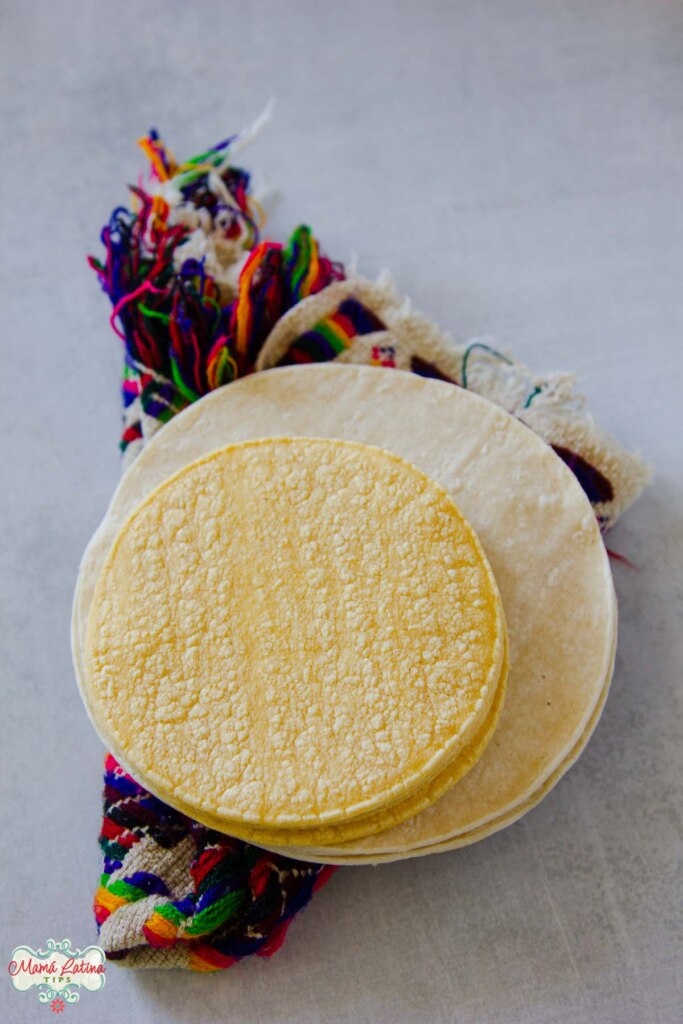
348, 614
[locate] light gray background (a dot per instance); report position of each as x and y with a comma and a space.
518, 166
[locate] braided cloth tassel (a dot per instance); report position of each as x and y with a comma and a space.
194, 290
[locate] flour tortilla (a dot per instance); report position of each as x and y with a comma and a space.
531, 515
278, 623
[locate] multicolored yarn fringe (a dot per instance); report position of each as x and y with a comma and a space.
203, 900
194, 290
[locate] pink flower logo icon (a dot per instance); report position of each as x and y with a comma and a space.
57, 1005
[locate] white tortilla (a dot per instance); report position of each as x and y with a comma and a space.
536, 525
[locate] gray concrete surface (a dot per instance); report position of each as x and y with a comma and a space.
518, 166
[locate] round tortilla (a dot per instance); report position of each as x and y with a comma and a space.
532, 517
300, 840
293, 632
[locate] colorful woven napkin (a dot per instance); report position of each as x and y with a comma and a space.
199, 300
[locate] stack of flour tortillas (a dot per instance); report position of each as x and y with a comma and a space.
350, 614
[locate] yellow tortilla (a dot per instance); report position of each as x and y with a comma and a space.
533, 519
296, 843
294, 633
